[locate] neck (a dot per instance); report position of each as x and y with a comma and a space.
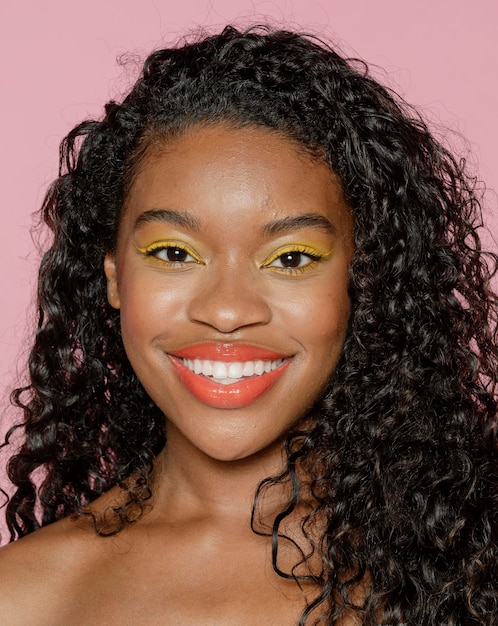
189, 483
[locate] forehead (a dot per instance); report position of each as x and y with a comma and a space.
228, 174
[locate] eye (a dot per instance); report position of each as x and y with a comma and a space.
174, 254
171, 253
294, 259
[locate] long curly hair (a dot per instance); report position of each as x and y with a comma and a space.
402, 453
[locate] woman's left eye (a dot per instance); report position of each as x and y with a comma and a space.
294, 260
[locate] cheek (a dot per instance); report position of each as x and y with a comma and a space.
148, 305
138, 313
319, 319
144, 315
332, 315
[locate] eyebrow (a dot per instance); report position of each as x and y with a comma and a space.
287, 224
276, 227
183, 219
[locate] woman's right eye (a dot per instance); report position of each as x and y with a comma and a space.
171, 253
174, 254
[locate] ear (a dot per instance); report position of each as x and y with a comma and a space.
112, 280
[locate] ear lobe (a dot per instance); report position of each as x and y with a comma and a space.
112, 280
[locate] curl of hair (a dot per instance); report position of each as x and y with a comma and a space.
402, 454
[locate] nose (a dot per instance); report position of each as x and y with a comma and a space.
229, 301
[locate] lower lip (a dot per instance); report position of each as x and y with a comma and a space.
232, 396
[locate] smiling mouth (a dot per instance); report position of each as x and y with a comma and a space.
232, 379
229, 373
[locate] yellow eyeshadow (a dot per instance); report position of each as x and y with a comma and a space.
167, 243
313, 253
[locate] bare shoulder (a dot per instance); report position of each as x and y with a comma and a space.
47, 577
39, 571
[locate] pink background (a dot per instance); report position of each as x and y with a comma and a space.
58, 65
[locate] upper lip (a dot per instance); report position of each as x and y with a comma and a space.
227, 352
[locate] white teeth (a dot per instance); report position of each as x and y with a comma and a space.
207, 368
235, 370
227, 372
248, 369
220, 370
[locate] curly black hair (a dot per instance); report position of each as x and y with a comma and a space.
402, 450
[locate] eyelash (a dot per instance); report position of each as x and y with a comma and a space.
155, 248
313, 255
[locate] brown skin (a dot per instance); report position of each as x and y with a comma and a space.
193, 558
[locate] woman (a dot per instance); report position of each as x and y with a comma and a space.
263, 384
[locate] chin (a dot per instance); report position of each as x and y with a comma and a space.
234, 450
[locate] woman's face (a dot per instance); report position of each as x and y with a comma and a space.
231, 276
